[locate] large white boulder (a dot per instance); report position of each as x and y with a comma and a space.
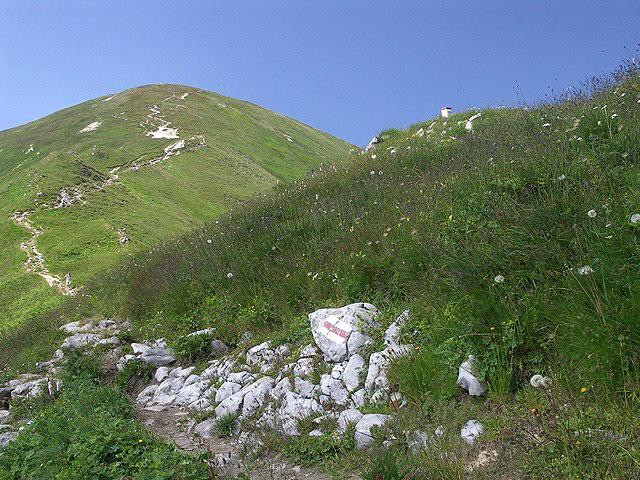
341, 332
468, 380
364, 437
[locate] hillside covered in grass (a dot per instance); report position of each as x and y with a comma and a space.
515, 241
86, 187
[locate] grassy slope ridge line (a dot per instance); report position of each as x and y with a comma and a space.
428, 224
517, 242
124, 182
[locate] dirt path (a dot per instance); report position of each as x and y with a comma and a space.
175, 426
35, 259
35, 262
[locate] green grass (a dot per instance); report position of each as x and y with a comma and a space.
247, 152
428, 228
90, 432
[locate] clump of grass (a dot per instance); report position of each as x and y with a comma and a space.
133, 372
193, 347
89, 432
226, 425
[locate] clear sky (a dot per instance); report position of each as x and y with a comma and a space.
351, 68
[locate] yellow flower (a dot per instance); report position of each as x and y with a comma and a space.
583, 389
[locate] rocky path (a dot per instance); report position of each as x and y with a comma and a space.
175, 425
35, 259
35, 262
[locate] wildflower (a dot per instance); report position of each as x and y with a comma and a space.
209, 241
592, 213
380, 172
373, 172
546, 125
499, 279
374, 156
634, 219
229, 275
562, 177
586, 270
614, 115
538, 381
583, 389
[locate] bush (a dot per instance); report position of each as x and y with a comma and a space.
134, 371
193, 347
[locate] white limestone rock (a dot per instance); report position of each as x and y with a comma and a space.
363, 434
281, 388
6, 438
348, 417
207, 428
161, 374
256, 397
468, 380
352, 372
392, 334
233, 404
471, 431
226, 390
304, 387
80, 340
341, 332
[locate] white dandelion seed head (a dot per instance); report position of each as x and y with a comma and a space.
230, 275
586, 270
539, 381
499, 279
592, 213
634, 219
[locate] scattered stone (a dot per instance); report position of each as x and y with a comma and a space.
374, 141
207, 428
6, 438
352, 372
471, 431
161, 374
80, 340
218, 348
468, 380
363, 435
348, 417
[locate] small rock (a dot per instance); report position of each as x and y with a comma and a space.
352, 372
363, 433
226, 390
207, 428
6, 438
348, 417
471, 431
218, 348
468, 380
161, 373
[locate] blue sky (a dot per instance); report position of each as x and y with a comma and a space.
347, 67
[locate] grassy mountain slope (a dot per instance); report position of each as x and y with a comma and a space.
121, 179
517, 242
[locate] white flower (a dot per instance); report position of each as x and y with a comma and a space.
229, 275
586, 270
209, 241
380, 172
538, 381
614, 115
562, 177
546, 125
634, 219
374, 156
499, 278
373, 172
592, 213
